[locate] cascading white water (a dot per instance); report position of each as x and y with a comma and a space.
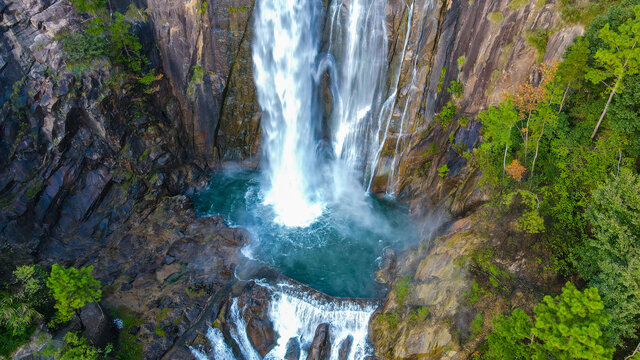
285, 48
296, 315
218, 347
358, 40
288, 72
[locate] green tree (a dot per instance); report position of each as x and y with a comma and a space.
497, 125
568, 326
571, 70
92, 7
620, 58
78, 348
18, 310
610, 258
72, 289
510, 336
16, 315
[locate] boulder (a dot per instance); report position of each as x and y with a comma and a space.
293, 349
256, 315
345, 348
98, 328
321, 345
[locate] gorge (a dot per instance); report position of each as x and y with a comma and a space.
282, 179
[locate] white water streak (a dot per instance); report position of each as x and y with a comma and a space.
386, 112
359, 42
285, 48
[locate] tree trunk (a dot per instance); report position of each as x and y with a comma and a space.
533, 165
606, 107
526, 140
634, 353
564, 97
504, 161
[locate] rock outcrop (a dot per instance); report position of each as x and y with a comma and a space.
321, 345
206, 53
433, 309
93, 172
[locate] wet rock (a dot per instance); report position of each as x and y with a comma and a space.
293, 349
345, 348
387, 266
98, 328
255, 301
321, 345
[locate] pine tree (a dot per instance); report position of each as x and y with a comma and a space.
72, 289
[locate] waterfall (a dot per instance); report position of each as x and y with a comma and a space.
296, 314
303, 174
358, 40
285, 48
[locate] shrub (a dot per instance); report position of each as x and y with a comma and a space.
443, 171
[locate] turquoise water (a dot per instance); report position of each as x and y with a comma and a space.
338, 254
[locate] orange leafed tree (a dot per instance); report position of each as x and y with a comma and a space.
528, 98
515, 170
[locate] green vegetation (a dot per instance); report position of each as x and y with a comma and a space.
517, 4
609, 259
495, 17
619, 58
78, 348
237, 10
461, 61
584, 11
568, 326
22, 306
402, 290
107, 36
127, 346
563, 154
455, 89
443, 74
72, 289
476, 325
443, 171
539, 39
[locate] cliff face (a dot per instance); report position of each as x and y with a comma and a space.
92, 172
206, 54
481, 44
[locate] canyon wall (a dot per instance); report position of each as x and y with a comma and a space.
206, 54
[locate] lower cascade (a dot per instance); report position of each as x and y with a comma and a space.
305, 326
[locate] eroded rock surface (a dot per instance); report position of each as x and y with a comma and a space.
321, 345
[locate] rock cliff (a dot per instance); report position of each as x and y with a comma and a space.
484, 46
